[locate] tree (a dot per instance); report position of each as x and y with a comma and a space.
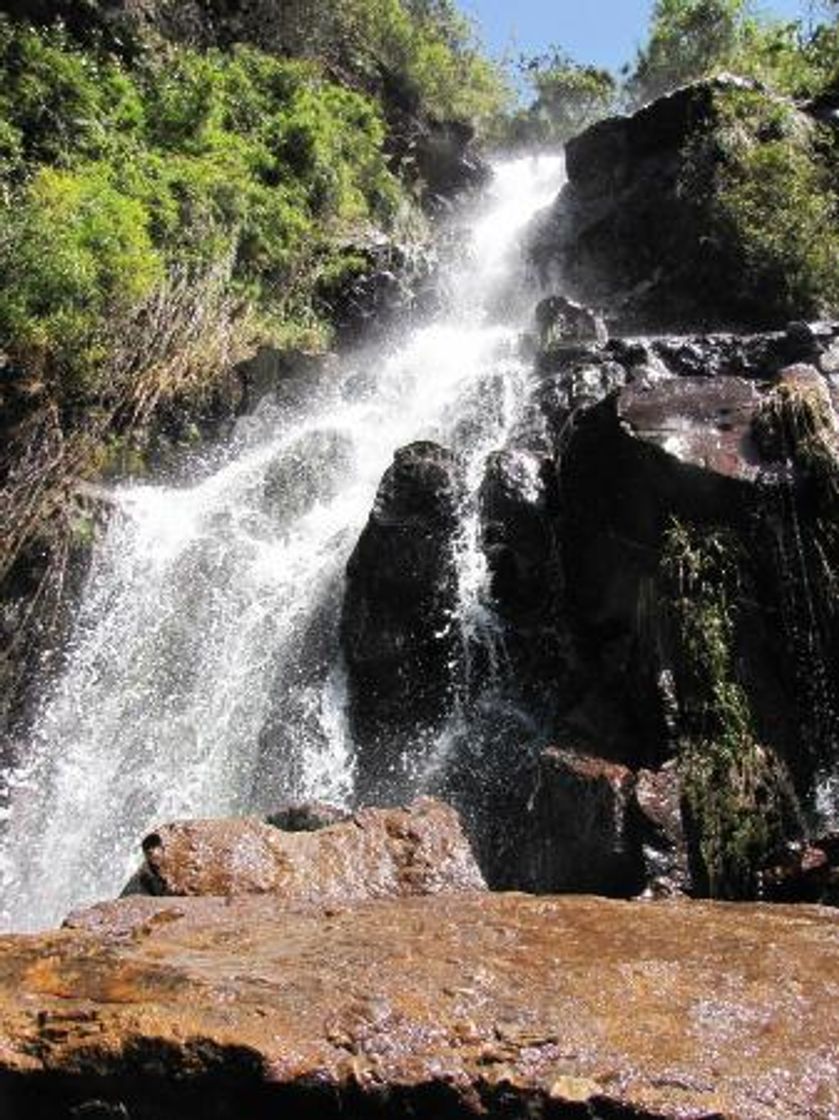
568, 97
688, 39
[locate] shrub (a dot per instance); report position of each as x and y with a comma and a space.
691, 39
761, 174
75, 253
115, 178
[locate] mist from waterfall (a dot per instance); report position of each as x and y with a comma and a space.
203, 675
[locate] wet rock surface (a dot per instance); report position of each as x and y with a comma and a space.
454, 1006
578, 835
401, 591
730, 439
375, 853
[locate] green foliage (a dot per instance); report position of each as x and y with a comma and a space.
794, 423
430, 46
58, 104
761, 173
568, 98
737, 793
688, 39
115, 178
75, 251
691, 39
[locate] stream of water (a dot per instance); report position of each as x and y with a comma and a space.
203, 676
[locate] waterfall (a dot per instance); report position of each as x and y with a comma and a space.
203, 675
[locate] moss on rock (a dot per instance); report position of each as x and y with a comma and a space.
739, 800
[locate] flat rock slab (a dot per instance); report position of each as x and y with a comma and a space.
446, 1006
704, 422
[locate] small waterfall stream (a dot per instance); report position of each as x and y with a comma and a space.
203, 676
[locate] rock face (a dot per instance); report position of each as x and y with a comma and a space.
624, 234
447, 160
655, 543
452, 1007
400, 596
376, 853
517, 498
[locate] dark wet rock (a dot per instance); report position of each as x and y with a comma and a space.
805, 871
448, 160
381, 283
517, 502
698, 423
577, 836
729, 439
678, 449
452, 1006
397, 629
376, 853
561, 321
578, 386
755, 356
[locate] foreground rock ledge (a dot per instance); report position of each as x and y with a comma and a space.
450, 1006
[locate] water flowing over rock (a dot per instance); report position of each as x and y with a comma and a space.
454, 1006
204, 675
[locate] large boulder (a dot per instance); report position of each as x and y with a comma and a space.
579, 833
397, 630
517, 502
643, 227
695, 561
454, 1007
377, 853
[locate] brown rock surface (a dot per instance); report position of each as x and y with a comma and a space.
702, 422
376, 853
434, 1007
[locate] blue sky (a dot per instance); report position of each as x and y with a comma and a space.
605, 32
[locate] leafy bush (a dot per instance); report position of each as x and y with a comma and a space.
761, 172
75, 252
115, 177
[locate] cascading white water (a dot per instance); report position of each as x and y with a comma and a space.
203, 675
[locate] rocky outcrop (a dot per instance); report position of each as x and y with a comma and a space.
452, 1007
517, 499
448, 160
376, 853
634, 231
396, 629
654, 534
382, 283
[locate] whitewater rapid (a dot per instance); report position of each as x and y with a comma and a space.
203, 676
